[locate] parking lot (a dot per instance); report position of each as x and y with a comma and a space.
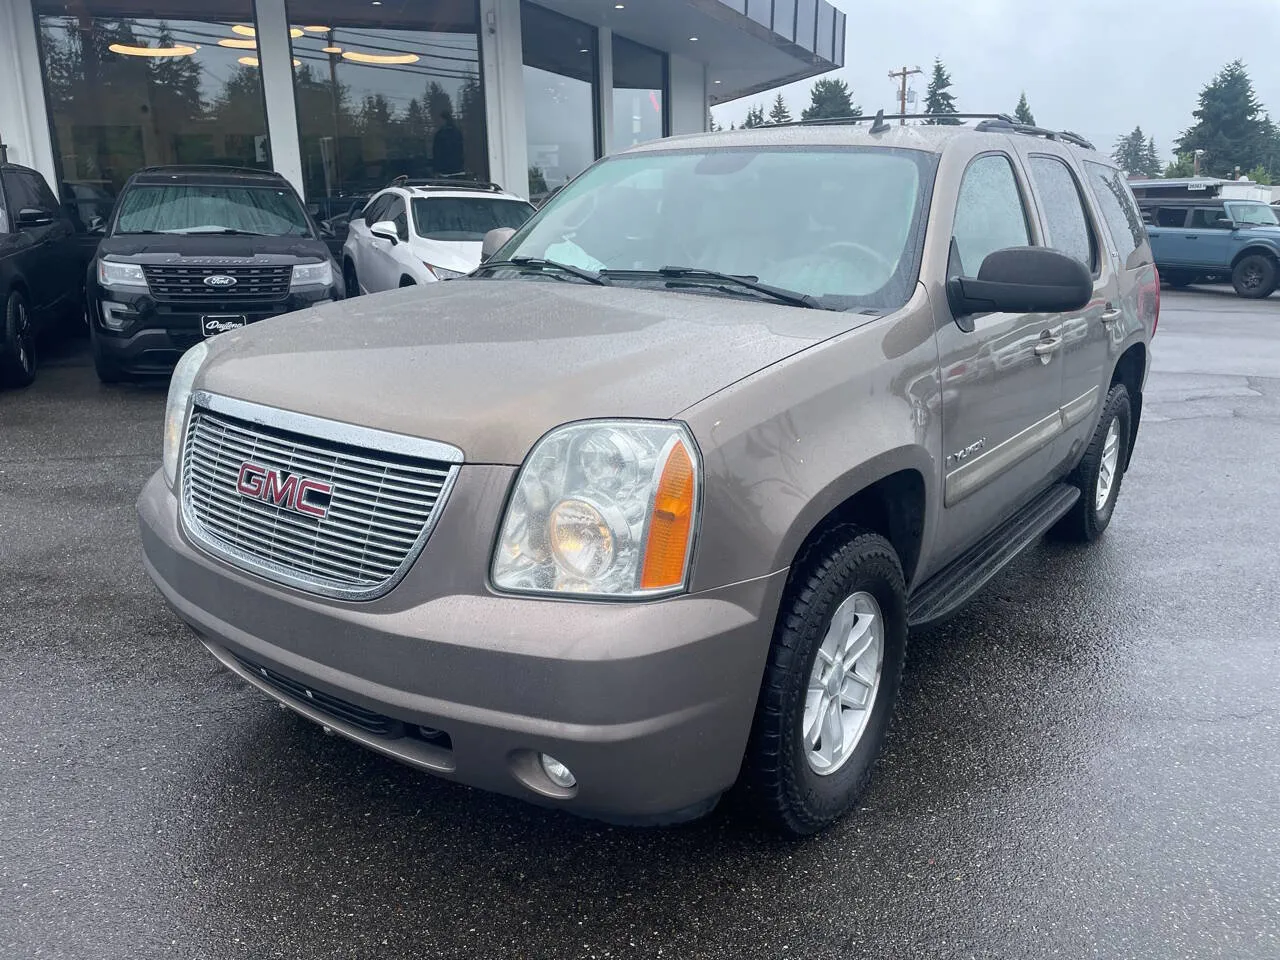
1085, 762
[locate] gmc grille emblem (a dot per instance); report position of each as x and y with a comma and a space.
220, 280
288, 490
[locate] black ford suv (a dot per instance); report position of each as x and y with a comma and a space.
192, 252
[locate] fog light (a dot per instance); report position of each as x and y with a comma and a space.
557, 772
116, 316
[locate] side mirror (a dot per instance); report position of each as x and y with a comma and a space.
494, 241
1022, 280
33, 218
1226, 222
385, 230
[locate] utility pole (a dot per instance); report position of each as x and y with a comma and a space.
902, 75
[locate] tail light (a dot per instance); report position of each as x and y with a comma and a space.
1155, 321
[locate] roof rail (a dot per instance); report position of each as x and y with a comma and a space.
461, 183
209, 168
1004, 125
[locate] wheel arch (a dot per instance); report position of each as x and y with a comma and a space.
1257, 248
1131, 370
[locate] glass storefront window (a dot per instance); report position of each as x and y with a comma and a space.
639, 94
559, 97
127, 89
386, 91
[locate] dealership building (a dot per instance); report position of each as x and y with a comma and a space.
341, 96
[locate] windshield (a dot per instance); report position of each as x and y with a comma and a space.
466, 218
1258, 214
838, 224
208, 208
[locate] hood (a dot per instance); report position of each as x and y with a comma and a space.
490, 365
1270, 233
460, 255
159, 248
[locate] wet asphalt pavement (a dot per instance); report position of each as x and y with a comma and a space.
1084, 763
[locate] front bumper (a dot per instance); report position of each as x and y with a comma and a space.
648, 704
157, 333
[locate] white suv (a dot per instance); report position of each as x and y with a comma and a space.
421, 231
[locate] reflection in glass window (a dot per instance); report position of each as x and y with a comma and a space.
127, 90
989, 215
639, 100
559, 97
386, 91
1064, 216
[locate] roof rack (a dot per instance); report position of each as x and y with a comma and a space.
458, 183
209, 168
1005, 125
988, 123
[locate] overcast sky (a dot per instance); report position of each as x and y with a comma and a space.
1097, 67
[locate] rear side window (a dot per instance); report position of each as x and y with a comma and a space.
1171, 217
1064, 216
1118, 207
990, 215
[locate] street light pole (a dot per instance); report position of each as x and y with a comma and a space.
902, 75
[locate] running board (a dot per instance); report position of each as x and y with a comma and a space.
951, 587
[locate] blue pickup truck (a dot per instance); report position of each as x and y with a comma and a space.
1204, 241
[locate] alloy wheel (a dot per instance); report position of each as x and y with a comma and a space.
1108, 465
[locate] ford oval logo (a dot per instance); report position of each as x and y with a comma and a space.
219, 280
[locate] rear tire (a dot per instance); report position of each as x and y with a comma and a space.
1177, 280
350, 279
17, 342
1255, 277
798, 777
1101, 472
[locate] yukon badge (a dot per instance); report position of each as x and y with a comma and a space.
960, 456
288, 490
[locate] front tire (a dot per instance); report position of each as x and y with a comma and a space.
17, 342
1255, 277
830, 683
1101, 472
350, 280
103, 363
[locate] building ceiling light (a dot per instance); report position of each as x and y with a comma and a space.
619, 6
330, 49
177, 50
317, 29
717, 81
297, 62
693, 39
295, 32
248, 61
238, 44
380, 58
244, 31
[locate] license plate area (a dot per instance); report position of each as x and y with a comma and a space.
214, 324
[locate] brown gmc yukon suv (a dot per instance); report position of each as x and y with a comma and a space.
645, 506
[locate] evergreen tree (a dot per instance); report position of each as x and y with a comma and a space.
1231, 127
1023, 112
830, 99
779, 112
755, 117
1151, 159
1131, 152
938, 102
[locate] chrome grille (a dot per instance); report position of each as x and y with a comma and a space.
186, 282
381, 509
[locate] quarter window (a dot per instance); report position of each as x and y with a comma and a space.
990, 215
1119, 209
1065, 219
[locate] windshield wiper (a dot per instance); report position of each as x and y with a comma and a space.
696, 276
223, 232
535, 263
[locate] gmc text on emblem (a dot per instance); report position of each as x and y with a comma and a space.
219, 280
288, 490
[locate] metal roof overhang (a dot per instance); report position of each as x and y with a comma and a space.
747, 45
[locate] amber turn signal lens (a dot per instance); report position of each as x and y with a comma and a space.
671, 525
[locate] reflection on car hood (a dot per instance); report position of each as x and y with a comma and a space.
491, 365
210, 245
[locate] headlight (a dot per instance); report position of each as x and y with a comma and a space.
312, 275
603, 508
112, 274
440, 273
175, 411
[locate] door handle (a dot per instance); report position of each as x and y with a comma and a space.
1045, 347
1112, 314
